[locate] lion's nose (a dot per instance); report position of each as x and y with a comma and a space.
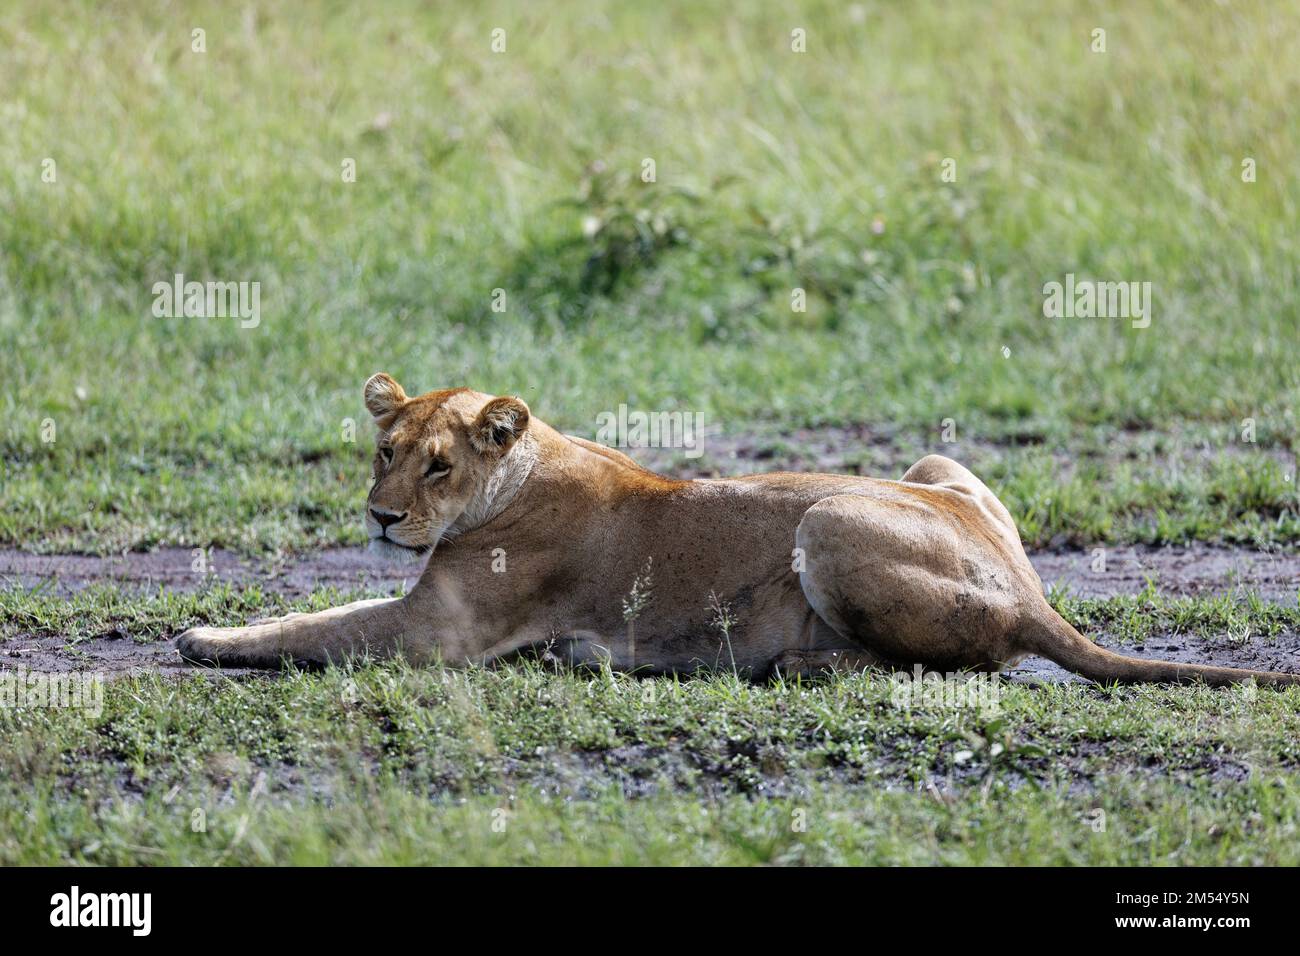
385, 518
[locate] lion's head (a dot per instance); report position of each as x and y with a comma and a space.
445, 462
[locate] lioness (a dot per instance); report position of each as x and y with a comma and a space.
536, 540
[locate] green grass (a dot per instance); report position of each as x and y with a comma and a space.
103, 608
1153, 825
390, 764
520, 171
387, 765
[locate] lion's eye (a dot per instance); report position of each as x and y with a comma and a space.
437, 468
387, 453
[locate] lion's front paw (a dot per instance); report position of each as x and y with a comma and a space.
203, 645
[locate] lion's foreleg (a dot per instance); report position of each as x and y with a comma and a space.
379, 628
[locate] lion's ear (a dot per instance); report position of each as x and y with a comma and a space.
499, 424
383, 395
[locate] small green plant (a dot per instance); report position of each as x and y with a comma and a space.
722, 620
638, 598
627, 224
996, 747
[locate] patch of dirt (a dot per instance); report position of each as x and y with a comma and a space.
1195, 571
174, 570
111, 655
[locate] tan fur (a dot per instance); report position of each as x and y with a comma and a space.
538, 538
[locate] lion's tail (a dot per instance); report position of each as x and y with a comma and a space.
1051, 636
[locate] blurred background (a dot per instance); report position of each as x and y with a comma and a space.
920, 171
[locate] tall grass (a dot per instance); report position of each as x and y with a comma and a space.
521, 171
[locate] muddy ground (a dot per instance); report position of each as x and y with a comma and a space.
1196, 570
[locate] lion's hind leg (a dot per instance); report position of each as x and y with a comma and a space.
914, 576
